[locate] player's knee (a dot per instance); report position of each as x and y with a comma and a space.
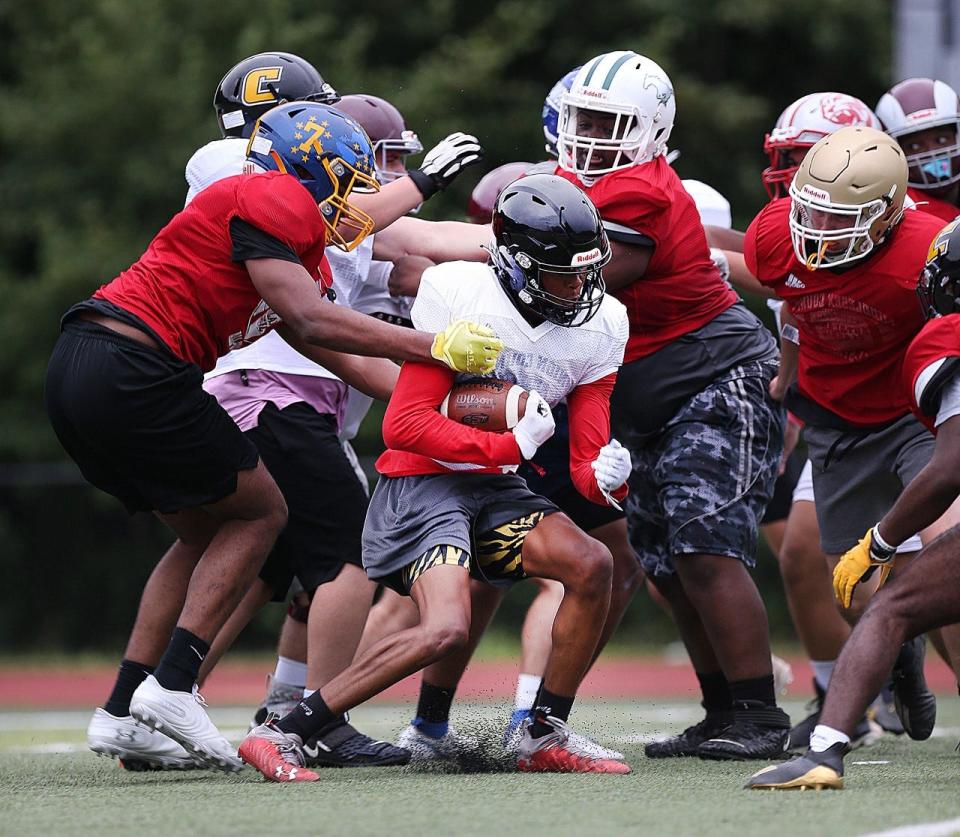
591, 572
628, 575
444, 638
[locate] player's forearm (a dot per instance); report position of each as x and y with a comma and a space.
439, 241
393, 201
742, 279
723, 238
339, 328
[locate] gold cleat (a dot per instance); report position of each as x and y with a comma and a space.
811, 771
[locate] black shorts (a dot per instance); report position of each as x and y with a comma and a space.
138, 422
554, 483
779, 506
325, 501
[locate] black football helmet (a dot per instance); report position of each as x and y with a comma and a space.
939, 285
264, 81
544, 224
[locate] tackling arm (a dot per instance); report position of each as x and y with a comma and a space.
439, 241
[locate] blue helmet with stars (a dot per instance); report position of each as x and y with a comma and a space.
331, 156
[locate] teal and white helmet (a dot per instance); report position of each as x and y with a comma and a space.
618, 113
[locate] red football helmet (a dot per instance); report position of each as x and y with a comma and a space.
800, 126
485, 193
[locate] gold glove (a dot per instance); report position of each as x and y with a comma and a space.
467, 347
857, 562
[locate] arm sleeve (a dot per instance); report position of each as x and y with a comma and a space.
589, 408
250, 242
413, 424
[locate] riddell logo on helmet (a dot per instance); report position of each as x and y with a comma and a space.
920, 115
816, 194
586, 258
590, 93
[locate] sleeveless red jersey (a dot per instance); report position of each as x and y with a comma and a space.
186, 286
681, 290
855, 324
939, 339
933, 206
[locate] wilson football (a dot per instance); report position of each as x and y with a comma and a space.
485, 403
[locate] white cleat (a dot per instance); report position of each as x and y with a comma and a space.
181, 716
137, 747
583, 743
448, 748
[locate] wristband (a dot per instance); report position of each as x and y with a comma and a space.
879, 548
790, 333
428, 188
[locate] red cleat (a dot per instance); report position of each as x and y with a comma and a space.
560, 752
276, 754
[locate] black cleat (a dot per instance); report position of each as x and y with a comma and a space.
757, 732
863, 735
916, 704
344, 746
811, 771
686, 743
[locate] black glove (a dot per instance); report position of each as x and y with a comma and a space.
444, 162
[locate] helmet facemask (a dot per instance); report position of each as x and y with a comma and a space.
625, 131
937, 167
406, 145
524, 277
819, 227
939, 284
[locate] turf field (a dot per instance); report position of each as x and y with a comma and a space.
49, 783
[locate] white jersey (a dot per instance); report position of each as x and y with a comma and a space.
713, 207
215, 161
548, 358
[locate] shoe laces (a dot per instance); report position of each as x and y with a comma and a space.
287, 746
197, 696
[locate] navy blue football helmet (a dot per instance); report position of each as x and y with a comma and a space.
551, 110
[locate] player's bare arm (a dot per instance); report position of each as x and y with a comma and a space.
742, 279
288, 289
628, 264
723, 238
789, 355
439, 241
404, 279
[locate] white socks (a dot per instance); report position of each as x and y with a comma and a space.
822, 671
527, 687
824, 737
291, 672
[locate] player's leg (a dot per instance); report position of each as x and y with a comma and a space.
628, 575
391, 613
918, 599
555, 548
439, 585
429, 736
285, 686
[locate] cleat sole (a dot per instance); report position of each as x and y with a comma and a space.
208, 757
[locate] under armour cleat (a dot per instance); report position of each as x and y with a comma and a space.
687, 742
137, 747
344, 746
276, 754
811, 771
449, 747
560, 751
281, 699
916, 704
757, 732
181, 716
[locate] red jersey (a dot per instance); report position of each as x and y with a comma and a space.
924, 369
186, 286
934, 206
855, 324
681, 290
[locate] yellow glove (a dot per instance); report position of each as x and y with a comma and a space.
467, 347
857, 562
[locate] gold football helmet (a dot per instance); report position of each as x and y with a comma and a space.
846, 197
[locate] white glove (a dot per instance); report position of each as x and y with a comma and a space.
445, 161
536, 425
722, 263
612, 466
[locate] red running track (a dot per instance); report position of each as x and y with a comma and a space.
243, 683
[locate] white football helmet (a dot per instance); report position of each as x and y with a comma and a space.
808, 120
915, 105
618, 113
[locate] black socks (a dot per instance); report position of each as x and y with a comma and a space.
180, 664
309, 717
130, 675
548, 704
716, 692
746, 693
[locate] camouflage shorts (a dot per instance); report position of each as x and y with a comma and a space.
701, 485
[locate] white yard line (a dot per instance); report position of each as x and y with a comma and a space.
925, 829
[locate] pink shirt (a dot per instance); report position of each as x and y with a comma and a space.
244, 401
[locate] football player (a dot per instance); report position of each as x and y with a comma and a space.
923, 115
691, 399
446, 486
924, 596
812, 249
124, 392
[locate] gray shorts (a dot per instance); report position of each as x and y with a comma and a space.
410, 516
858, 475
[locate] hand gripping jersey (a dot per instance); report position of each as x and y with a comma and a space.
578, 364
931, 367
855, 324
926, 202
682, 289
187, 287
